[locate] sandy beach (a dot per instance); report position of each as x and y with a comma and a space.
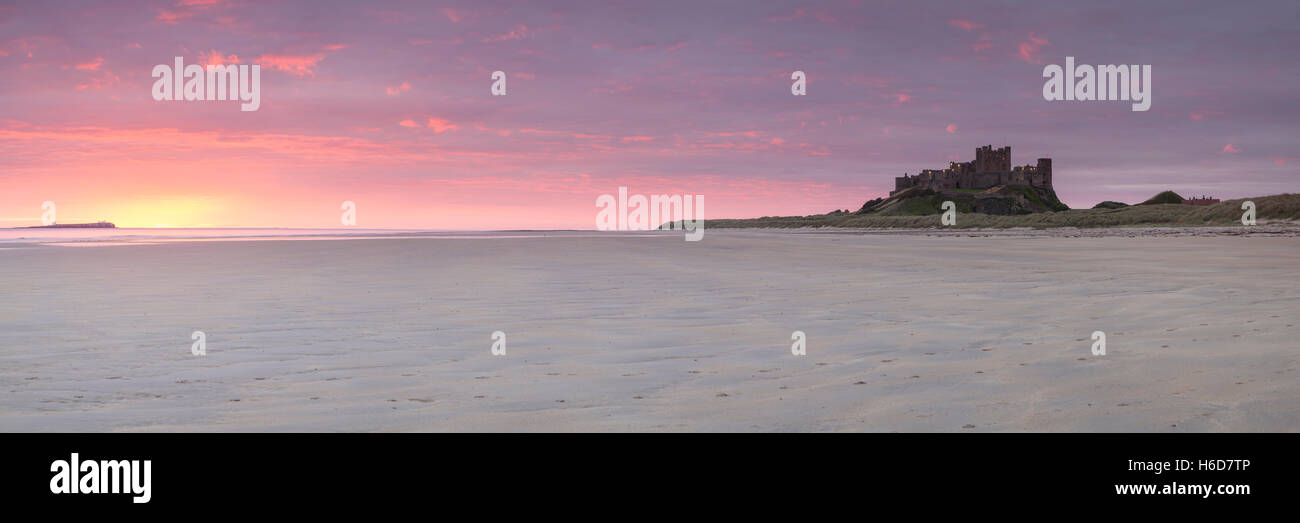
647, 332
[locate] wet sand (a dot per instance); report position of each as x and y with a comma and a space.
905, 332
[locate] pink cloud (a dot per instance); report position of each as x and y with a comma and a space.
186, 9
951, 128
439, 125
297, 65
1029, 49
966, 24
106, 79
91, 65
171, 17
398, 89
214, 57
629, 139
454, 15
1231, 149
751, 134
518, 33
408, 123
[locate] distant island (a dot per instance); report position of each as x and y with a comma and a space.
97, 225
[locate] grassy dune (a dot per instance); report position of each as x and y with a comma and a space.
1267, 208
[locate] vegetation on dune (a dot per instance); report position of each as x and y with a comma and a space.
1050, 202
1110, 205
1277, 207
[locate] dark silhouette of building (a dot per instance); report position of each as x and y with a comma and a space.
1204, 200
991, 168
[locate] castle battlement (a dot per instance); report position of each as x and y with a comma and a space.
991, 168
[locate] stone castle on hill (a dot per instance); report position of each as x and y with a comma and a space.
991, 168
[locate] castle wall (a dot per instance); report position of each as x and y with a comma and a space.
991, 167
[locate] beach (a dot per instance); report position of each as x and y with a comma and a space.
962, 332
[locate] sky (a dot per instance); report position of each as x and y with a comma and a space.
389, 105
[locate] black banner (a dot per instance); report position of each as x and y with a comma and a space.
319, 473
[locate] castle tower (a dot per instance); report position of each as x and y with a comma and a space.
1045, 170
988, 159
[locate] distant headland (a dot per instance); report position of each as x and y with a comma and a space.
987, 185
989, 193
97, 225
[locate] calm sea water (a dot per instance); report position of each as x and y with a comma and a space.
155, 235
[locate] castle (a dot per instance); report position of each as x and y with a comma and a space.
1204, 200
991, 168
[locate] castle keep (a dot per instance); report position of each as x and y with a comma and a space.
991, 168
